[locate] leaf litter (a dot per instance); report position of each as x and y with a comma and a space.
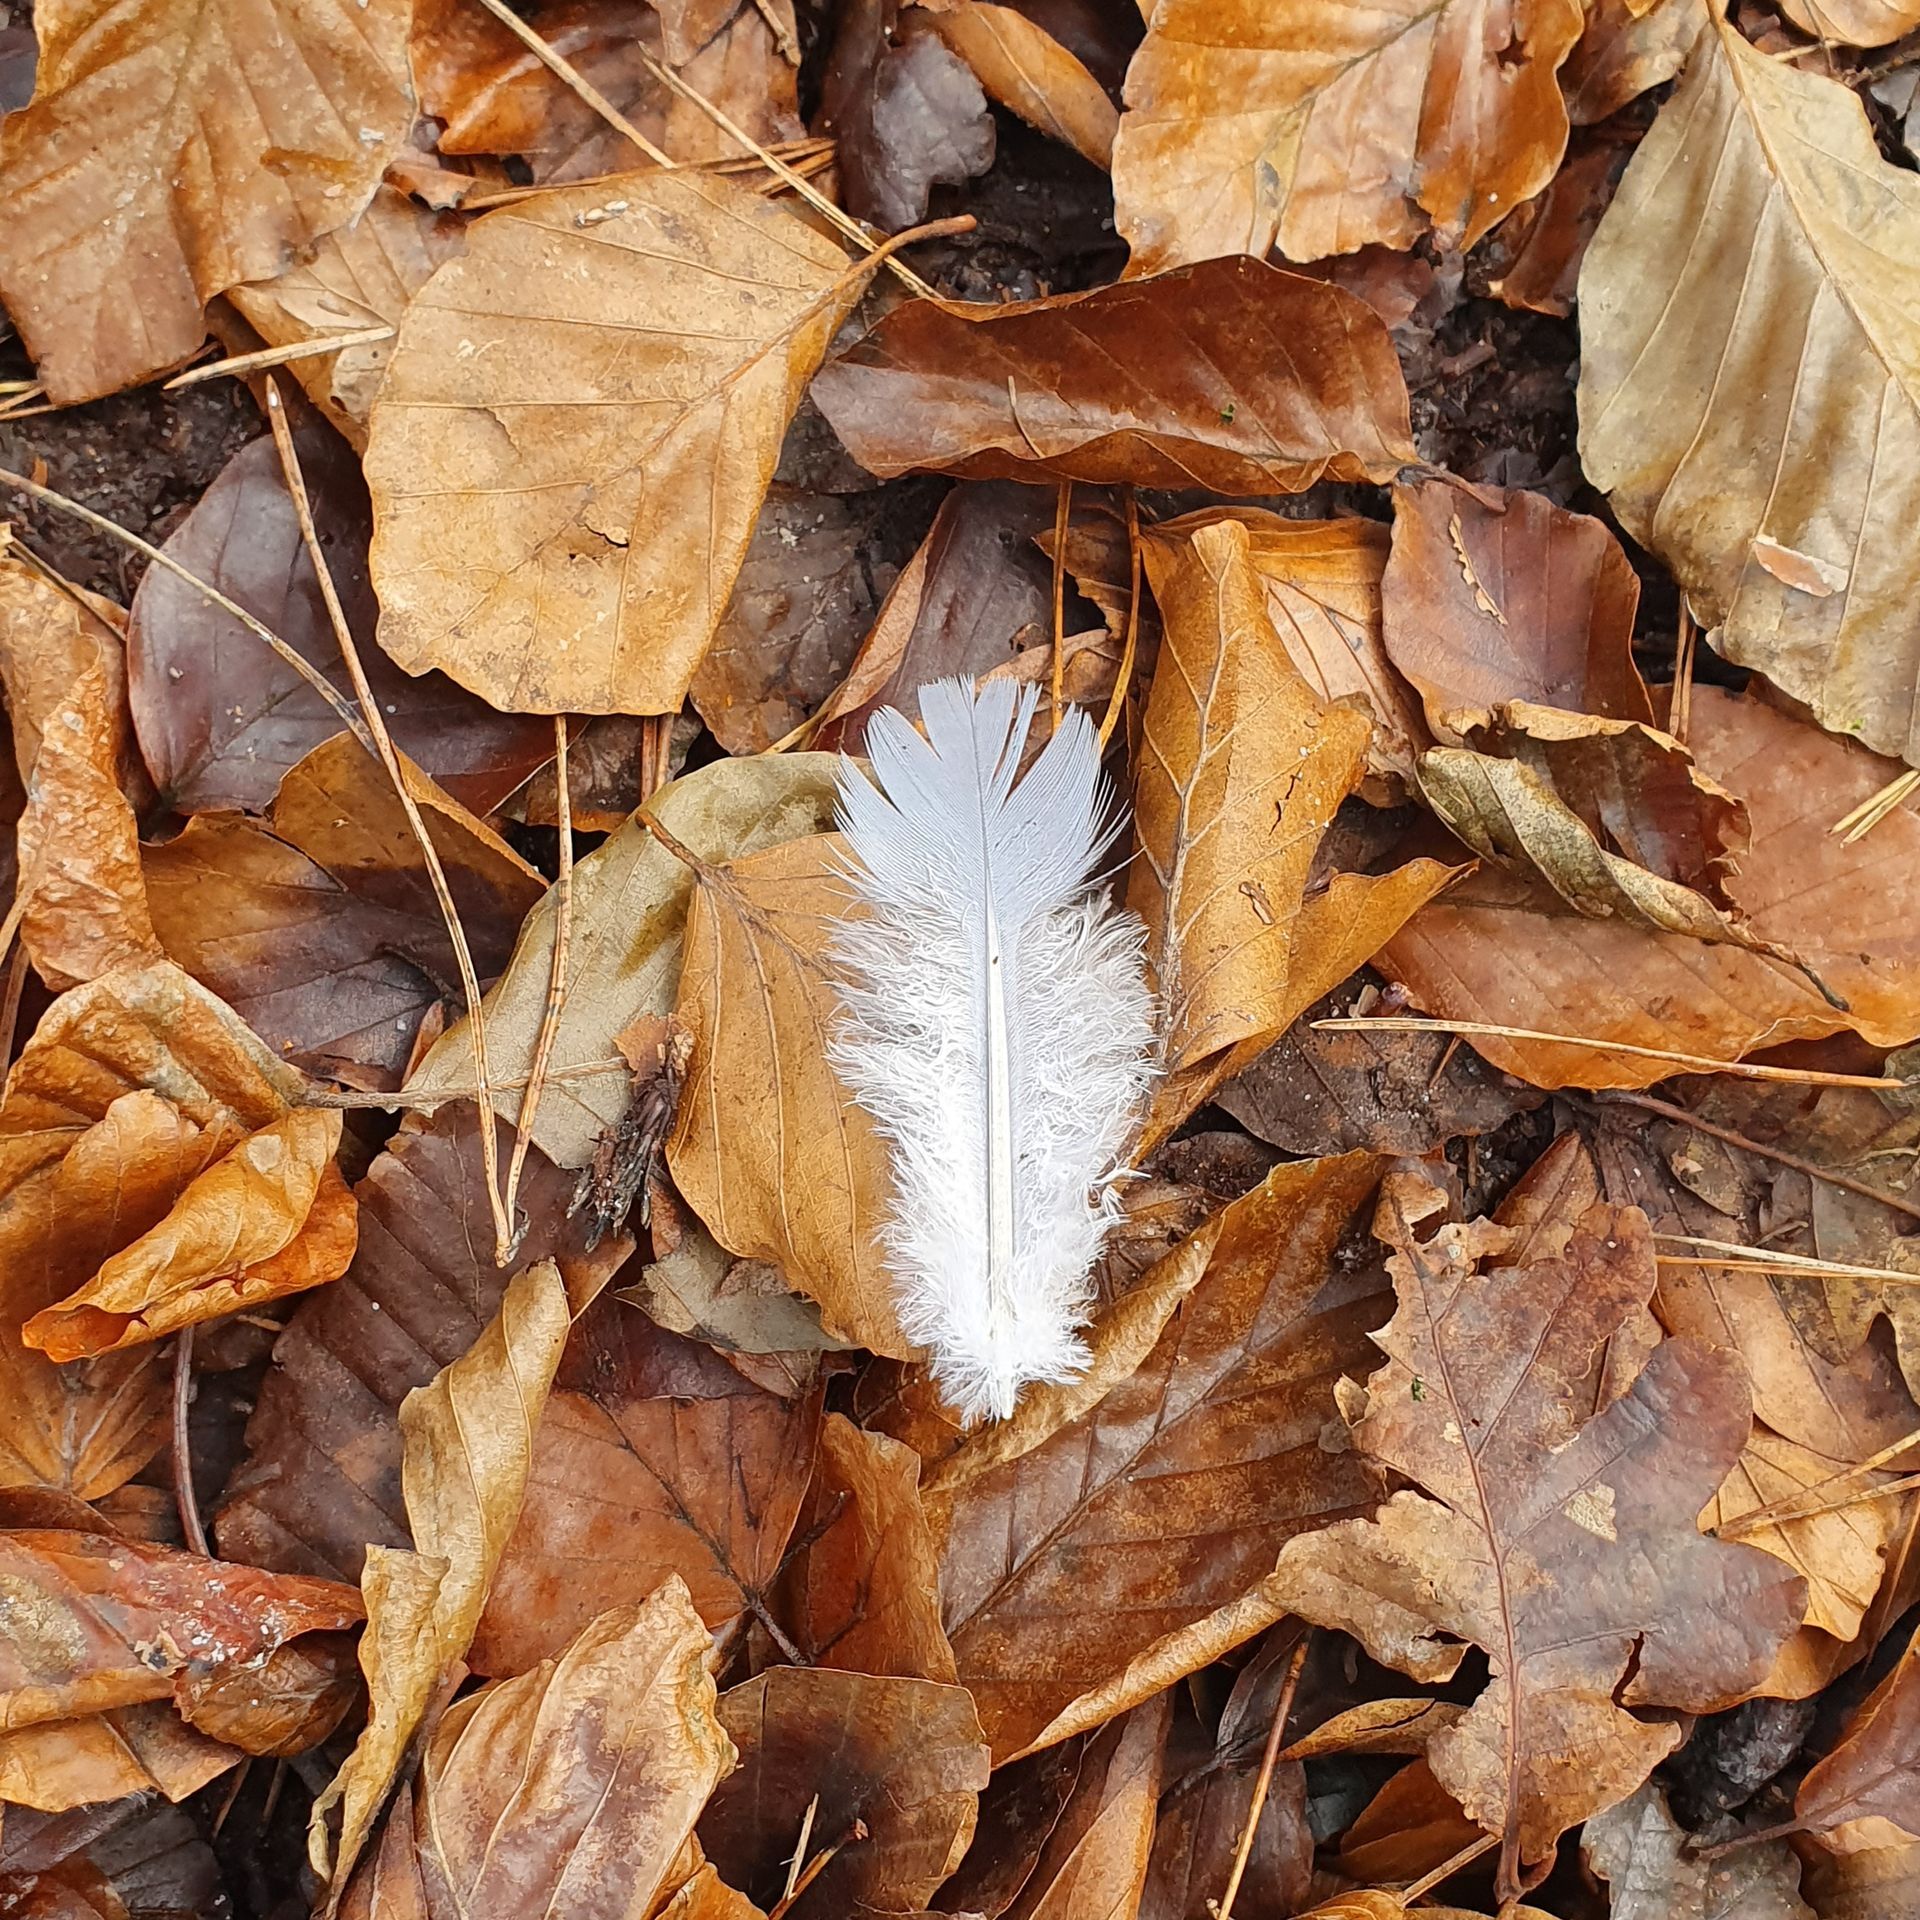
458, 1449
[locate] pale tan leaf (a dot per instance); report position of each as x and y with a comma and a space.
1855, 23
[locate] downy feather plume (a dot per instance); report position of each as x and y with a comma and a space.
996, 1025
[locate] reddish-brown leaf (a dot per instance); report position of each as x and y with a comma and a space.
1866, 1793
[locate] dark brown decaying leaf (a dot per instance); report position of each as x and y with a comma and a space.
1648, 1859
1561, 1547
1863, 1794
1230, 375
220, 717
902, 1757
134, 190
1535, 258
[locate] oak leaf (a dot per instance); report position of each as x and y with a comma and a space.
635, 473
1229, 375
1795, 536
1648, 1860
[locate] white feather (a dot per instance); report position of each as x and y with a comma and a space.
996, 1025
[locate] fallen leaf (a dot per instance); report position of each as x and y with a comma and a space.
132, 1750
322, 926
1534, 259
1378, 1726
1206, 1427
135, 190
321, 1478
1240, 771
901, 1758
271, 1217
634, 502
283, 1705
1856, 23
653, 1458
630, 899
221, 718
1861, 1796
1546, 1566
1318, 128
861, 1589
905, 113
148, 1857
1826, 235
1647, 1858
1410, 1827
1623, 51
1028, 71
1229, 375
1876, 1885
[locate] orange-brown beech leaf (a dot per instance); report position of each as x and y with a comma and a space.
1230, 375
1533, 262
580, 557
1116, 1533
270, 1218
1866, 1793
862, 1591
1497, 951
1022, 66
1882, 1884
1491, 596
64, 670
322, 927
1794, 529
99, 1621
322, 1474
1318, 126
902, 1757
1240, 771
1564, 1548
769, 1150
221, 718
707, 1897
144, 1749
1649, 1861
1622, 51
1408, 1828
91, 1157
285, 1704
1859, 23
653, 1457
629, 909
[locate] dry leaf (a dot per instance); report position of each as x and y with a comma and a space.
1558, 1547
1856, 23
272, 1217
1028, 71
1534, 260
630, 898
1319, 126
74, 1763
1378, 1726
135, 184
634, 476
903, 1758
1410, 1827
1230, 375
1862, 1795
1647, 1858
1623, 50
1691, 419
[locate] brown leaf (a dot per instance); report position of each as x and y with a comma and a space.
905, 112
1492, 596
148, 1857
1856, 23
135, 190
322, 1474
653, 1458
1408, 1828
272, 1217
285, 1704
72, 1763
1534, 261
599, 590
903, 1758
1028, 71
1647, 1857
1862, 1795
630, 898
769, 1150
1378, 1726
1622, 51
862, 1590
221, 718
1557, 1547
322, 927
1230, 375
1244, 121
1107, 1540
1239, 774
1883, 1884
1700, 466
64, 672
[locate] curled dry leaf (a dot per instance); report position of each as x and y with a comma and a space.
579, 556
1864, 1795
1115, 1534
1028, 71
1240, 771
134, 190
630, 898
271, 1217
1690, 417
1230, 375
901, 1758
147, 1749
1318, 125
1562, 1549
1648, 1861
221, 718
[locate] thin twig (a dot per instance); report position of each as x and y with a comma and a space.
1740, 1840
656, 753
1667, 1111
389, 758
1448, 1868
1876, 807
1117, 702
800, 1847
556, 978
1776, 1510
1773, 1260
815, 1867
816, 153
1680, 703
183, 1496
425, 1099
1264, 1778
279, 356
1062, 519
1750, 1523
1687, 1062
